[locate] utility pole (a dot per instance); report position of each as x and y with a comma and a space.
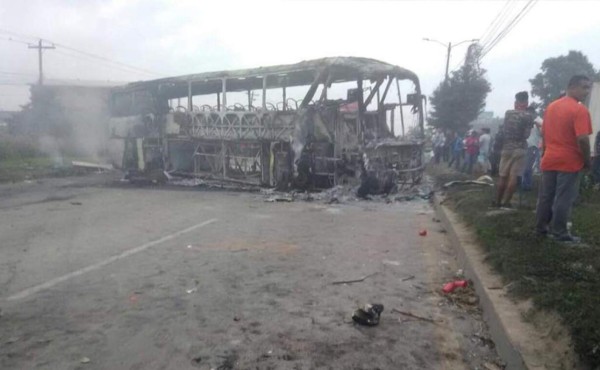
448, 59
448, 47
40, 47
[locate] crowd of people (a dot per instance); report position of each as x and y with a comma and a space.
463, 153
556, 146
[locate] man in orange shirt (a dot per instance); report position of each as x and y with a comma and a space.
566, 151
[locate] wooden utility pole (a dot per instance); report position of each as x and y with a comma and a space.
40, 47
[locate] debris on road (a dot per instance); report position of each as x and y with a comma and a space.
423, 232
84, 360
368, 315
483, 181
353, 281
76, 203
409, 314
12, 340
410, 277
193, 290
279, 199
389, 262
451, 286
92, 166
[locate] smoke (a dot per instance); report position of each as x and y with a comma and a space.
87, 116
50, 146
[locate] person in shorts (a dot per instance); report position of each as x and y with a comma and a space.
516, 129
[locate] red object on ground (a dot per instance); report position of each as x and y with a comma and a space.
423, 232
451, 286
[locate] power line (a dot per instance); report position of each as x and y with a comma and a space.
502, 20
97, 62
91, 55
108, 60
13, 40
496, 24
509, 27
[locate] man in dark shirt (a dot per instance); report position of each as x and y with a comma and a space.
516, 129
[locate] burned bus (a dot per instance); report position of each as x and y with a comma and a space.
278, 126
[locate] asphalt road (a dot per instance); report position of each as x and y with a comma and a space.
97, 276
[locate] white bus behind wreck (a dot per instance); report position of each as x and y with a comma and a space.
313, 142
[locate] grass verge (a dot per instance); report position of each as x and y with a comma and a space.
557, 277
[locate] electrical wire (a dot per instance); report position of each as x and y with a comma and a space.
498, 22
82, 52
95, 61
508, 28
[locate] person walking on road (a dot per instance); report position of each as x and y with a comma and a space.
566, 151
516, 130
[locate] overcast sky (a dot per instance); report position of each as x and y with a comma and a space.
180, 37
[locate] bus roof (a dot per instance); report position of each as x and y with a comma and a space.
335, 69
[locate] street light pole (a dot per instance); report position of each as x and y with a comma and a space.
448, 47
448, 59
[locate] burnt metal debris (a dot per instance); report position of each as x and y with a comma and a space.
311, 143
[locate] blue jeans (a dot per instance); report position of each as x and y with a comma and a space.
470, 160
531, 157
558, 191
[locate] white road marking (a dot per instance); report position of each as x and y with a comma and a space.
49, 284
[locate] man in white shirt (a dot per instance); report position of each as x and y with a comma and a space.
533, 153
485, 141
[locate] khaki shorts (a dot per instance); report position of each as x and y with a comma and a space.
512, 162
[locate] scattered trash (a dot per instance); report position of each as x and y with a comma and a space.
190, 291
368, 315
12, 340
279, 199
236, 318
410, 277
133, 298
189, 247
436, 220
423, 232
93, 166
460, 273
451, 286
197, 359
393, 263
76, 203
353, 281
491, 366
84, 360
483, 181
409, 314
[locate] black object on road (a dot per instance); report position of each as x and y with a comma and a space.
368, 315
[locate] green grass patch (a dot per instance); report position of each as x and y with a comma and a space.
562, 278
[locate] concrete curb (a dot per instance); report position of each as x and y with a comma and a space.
470, 258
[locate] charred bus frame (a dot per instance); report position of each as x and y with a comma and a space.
314, 141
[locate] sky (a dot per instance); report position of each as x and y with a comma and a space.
161, 38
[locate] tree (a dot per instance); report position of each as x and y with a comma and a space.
459, 100
556, 72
